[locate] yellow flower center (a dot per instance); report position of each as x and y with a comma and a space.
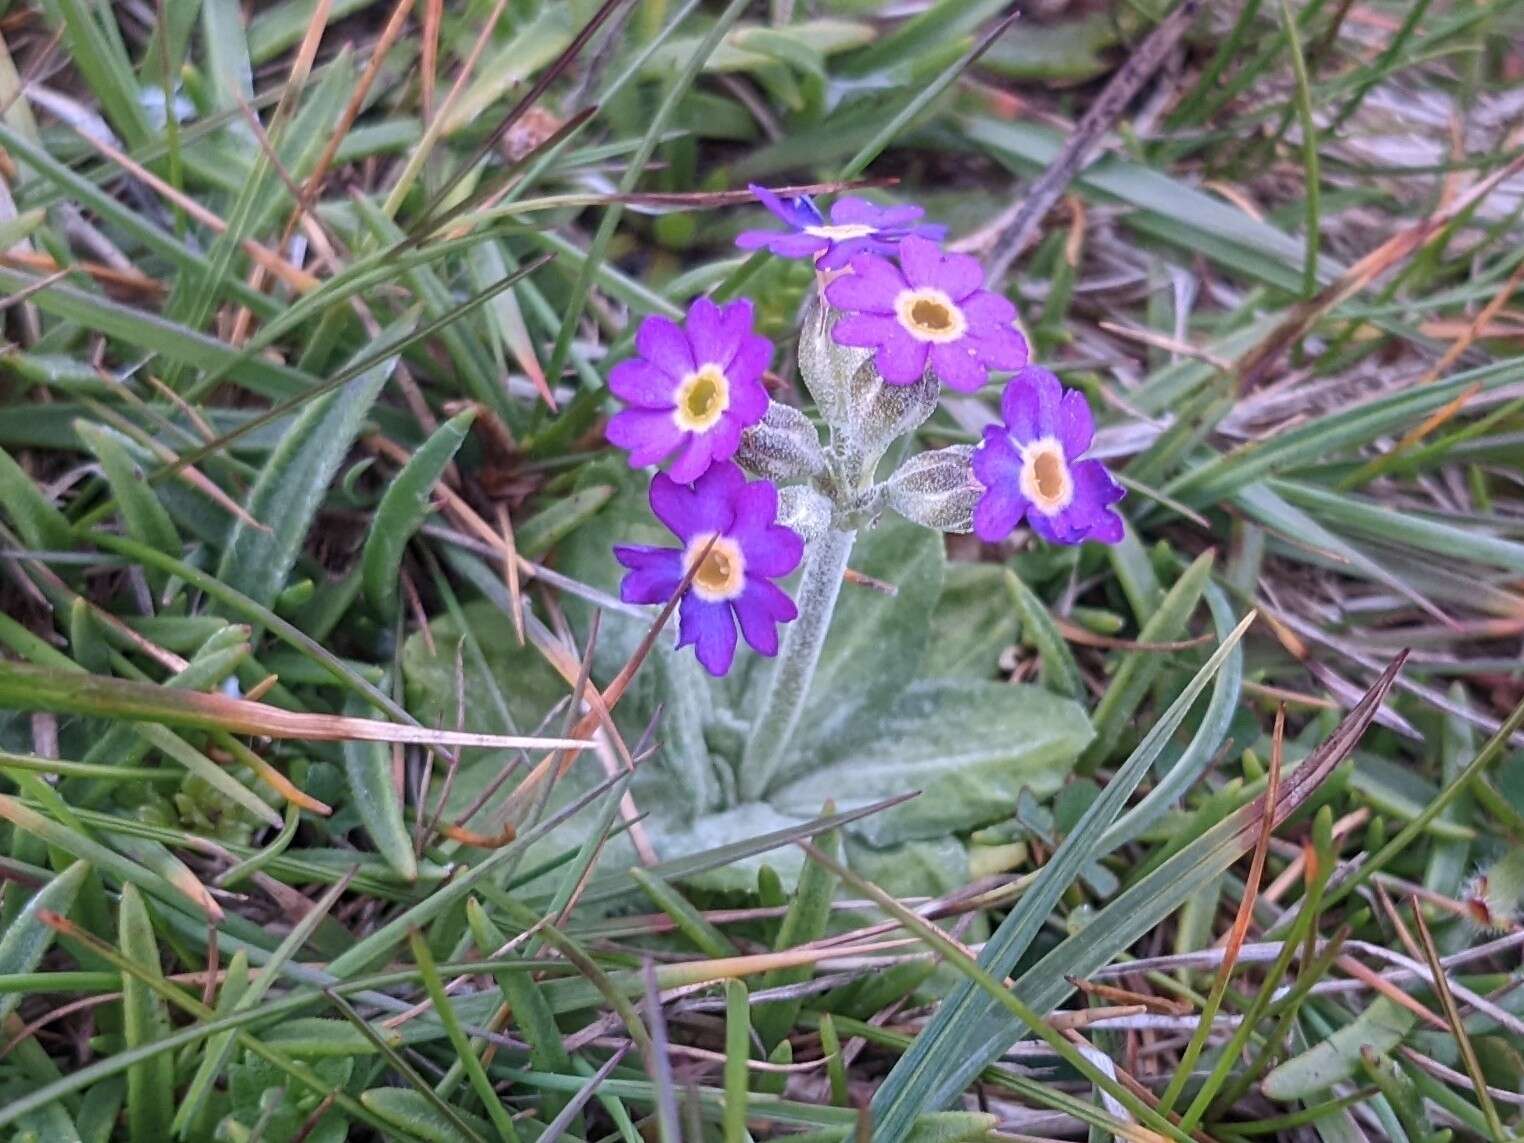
840, 232
721, 573
928, 314
1045, 478
702, 398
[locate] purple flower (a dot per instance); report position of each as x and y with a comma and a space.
692, 388
931, 306
1031, 467
749, 550
857, 226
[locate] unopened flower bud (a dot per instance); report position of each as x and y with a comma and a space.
806, 511
829, 370
865, 415
782, 446
888, 412
937, 489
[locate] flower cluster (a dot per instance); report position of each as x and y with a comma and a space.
693, 397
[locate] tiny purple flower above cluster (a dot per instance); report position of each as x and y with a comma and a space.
691, 389
857, 226
1032, 467
931, 310
735, 547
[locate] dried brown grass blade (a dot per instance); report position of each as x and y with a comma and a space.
1307, 777
25, 687
1257, 362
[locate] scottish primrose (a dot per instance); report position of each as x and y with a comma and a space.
893, 321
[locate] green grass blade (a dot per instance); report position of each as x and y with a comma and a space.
804, 922
1060, 673
40, 523
985, 1032
1311, 176
145, 1020
942, 1061
464, 1050
95, 47
526, 1004
995, 990
595, 253
1140, 668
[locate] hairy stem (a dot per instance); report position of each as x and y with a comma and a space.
789, 686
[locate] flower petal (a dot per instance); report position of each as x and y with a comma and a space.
871, 287
985, 308
1050, 392
773, 551
640, 557
706, 332
1052, 529
1094, 484
844, 251
1000, 347
689, 512
1076, 427
654, 576
1030, 404
957, 366
638, 382
797, 245
901, 359
865, 331
737, 318
748, 401
1107, 528
849, 210
694, 459
711, 630
998, 512
797, 212
648, 434
760, 608
1087, 516
926, 265
756, 239
900, 216
960, 274
724, 437
921, 260
722, 483
752, 355
997, 460
662, 342
756, 507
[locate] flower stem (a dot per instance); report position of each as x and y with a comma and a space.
788, 688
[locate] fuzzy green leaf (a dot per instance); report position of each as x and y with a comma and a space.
404, 507
294, 481
28, 936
